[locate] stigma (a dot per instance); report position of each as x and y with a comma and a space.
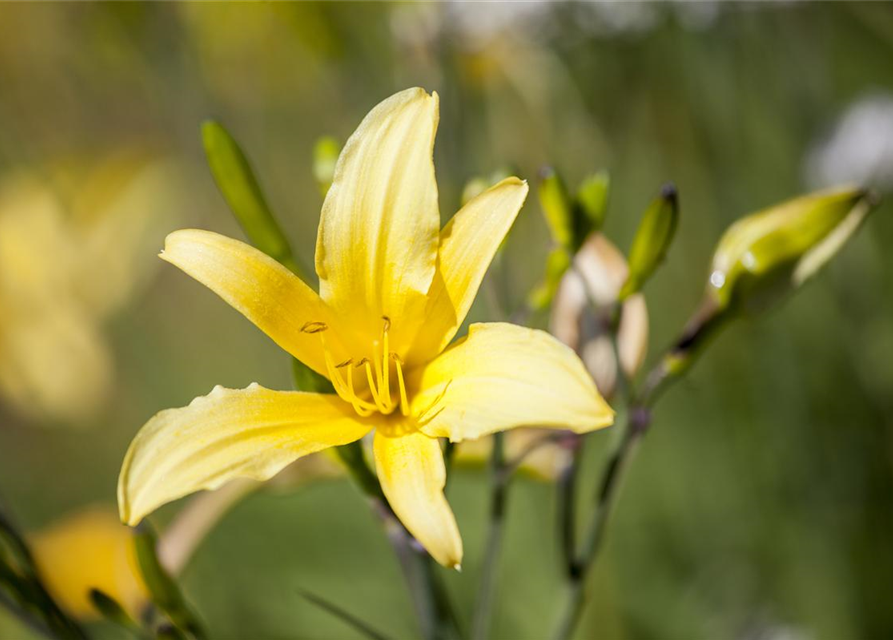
375, 371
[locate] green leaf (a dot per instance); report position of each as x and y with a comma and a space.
345, 616
236, 181
652, 239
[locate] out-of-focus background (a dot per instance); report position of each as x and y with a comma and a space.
762, 503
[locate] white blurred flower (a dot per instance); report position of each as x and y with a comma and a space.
859, 149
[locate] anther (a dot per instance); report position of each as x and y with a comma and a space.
314, 327
344, 364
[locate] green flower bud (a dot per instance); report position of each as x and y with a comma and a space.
234, 177
557, 207
652, 239
591, 204
772, 252
325, 156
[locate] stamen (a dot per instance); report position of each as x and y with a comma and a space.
360, 406
421, 418
404, 403
345, 392
380, 402
385, 379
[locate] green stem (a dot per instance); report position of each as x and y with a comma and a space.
498, 496
670, 368
429, 599
567, 501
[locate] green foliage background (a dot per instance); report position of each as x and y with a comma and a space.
762, 503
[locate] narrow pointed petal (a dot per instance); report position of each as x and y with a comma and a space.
467, 246
412, 475
378, 234
230, 433
503, 376
264, 291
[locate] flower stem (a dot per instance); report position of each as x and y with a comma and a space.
429, 598
499, 493
670, 368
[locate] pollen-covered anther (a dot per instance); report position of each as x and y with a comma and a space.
377, 373
314, 327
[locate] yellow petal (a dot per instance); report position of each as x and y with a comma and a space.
377, 243
88, 550
264, 291
503, 376
412, 475
230, 433
467, 246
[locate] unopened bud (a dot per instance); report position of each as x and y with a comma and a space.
652, 240
325, 156
772, 252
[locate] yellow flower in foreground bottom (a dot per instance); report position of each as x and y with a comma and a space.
394, 289
89, 550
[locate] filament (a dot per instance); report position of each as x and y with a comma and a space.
404, 403
377, 375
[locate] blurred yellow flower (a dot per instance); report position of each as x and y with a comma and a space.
67, 261
394, 290
88, 550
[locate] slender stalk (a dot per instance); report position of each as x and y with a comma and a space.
609, 484
670, 368
429, 599
567, 501
498, 496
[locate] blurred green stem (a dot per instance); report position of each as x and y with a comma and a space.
433, 610
670, 368
499, 493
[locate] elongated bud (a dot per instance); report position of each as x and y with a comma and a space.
111, 609
652, 239
163, 590
558, 262
236, 181
591, 204
772, 252
325, 156
557, 207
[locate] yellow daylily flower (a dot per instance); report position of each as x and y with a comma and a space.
394, 290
